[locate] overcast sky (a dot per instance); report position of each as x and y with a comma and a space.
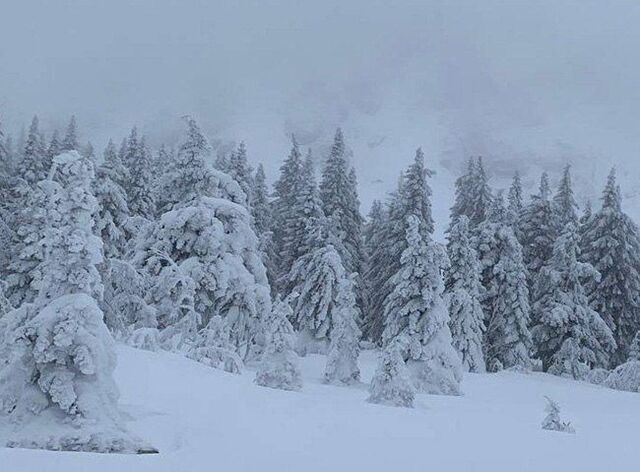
528, 85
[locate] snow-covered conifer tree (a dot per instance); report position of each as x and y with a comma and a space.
508, 339
463, 291
515, 204
634, 348
415, 309
339, 196
113, 213
206, 231
57, 383
569, 336
239, 169
564, 203
373, 240
289, 224
392, 383
70, 140
538, 230
611, 244
552, 421
342, 357
55, 146
140, 189
262, 221
279, 364
35, 163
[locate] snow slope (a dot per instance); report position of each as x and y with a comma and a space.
203, 419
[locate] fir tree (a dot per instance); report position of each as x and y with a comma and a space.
206, 232
55, 146
34, 165
569, 336
317, 278
62, 369
304, 225
342, 358
263, 220
538, 230
463, 289
338, 193
611, 244
564, 203
373, 230
415, 309
392, 383
552, 420
113, 213
239, 169
279, 366
515, 204
508, 339
634, 348
70, 140
140, 189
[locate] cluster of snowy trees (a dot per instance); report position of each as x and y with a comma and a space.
181, 250
532, 281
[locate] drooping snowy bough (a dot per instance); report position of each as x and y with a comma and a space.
57, 355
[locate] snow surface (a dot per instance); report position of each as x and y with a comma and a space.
203, 419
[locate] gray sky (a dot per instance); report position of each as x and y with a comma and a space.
528, 85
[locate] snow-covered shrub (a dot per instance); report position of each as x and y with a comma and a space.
625, 377
597, 376
212, 347
552, 420
342, 359
279, 365
392, 383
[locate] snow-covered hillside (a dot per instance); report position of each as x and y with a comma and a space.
202, 419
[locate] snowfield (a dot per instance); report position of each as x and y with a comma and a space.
202, 419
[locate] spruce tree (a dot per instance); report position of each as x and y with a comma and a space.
463, 203
34, 165
392, 383
113, 213
508, 339
262, 213
611, 244
463, 291
569, 336
70, 140
564, 203
288, 224
373, 230
239, 169
140, 192
342, 357
339, 196
279, 364
205, 230
515, 204
538, 230
55, 146
416, 310
64, 357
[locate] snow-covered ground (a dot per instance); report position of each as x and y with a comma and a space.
203, 419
